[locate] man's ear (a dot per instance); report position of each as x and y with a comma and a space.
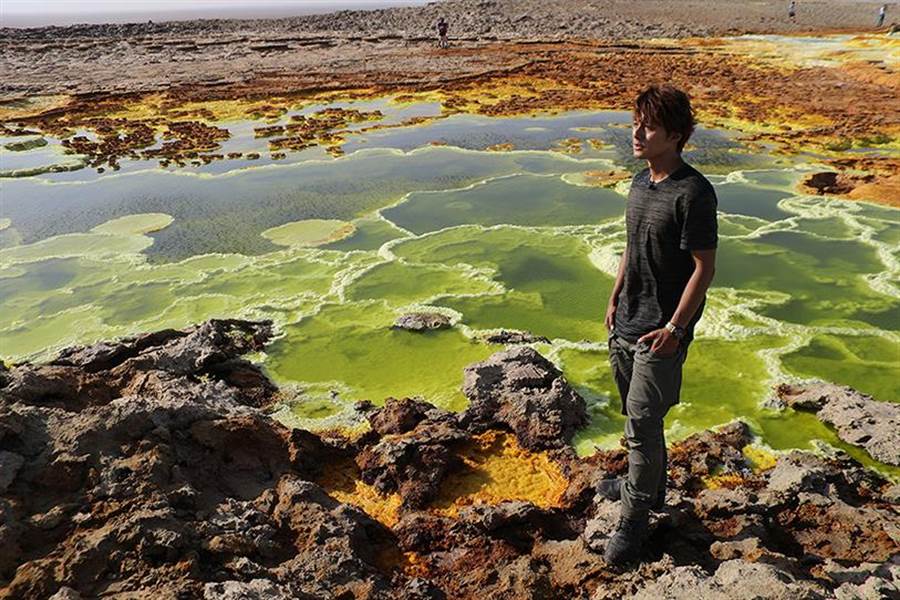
674, 135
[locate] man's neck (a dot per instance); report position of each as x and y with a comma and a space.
663, 166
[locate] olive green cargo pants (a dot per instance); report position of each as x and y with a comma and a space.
649, 386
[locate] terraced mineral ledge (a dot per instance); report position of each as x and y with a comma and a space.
151, 466
819, 94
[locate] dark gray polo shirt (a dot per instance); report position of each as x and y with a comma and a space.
664, 222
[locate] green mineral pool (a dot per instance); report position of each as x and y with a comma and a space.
426, 217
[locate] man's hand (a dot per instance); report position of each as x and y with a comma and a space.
664, 343
610, 318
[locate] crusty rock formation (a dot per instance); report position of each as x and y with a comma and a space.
420, 321
148, 468
144, 467
410, 450
777, 528
829, 182
506, 336
733, 579
858, 419
526, 392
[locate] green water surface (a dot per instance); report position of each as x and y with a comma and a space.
806, 287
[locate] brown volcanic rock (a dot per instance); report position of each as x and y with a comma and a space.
829, 182
505, 336
831, 527
806, 510
524, 391
859, 419
858, 177
707, 452
733, 579
147, 364
121, 137
144, 468
340, 549
420, 321
402, 416
832, 508
412, 450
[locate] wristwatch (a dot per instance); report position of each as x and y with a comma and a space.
675, 330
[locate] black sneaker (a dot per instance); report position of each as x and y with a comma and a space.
625, 544
611, 489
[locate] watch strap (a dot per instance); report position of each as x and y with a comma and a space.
678, 332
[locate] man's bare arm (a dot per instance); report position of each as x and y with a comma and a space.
691, 298
695, 290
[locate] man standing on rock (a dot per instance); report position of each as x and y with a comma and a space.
658, 297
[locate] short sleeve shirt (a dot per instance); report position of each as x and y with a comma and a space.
664, 221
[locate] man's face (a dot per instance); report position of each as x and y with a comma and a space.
650, 140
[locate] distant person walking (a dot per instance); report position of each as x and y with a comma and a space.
881, 14
792, 10
442, 32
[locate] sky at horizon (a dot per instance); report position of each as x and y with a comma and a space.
28, 13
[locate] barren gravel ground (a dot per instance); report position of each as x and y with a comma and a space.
392, 43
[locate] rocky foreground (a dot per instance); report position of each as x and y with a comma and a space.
150, 468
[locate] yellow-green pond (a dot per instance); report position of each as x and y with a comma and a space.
334, 249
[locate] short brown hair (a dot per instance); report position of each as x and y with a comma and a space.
669, 107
